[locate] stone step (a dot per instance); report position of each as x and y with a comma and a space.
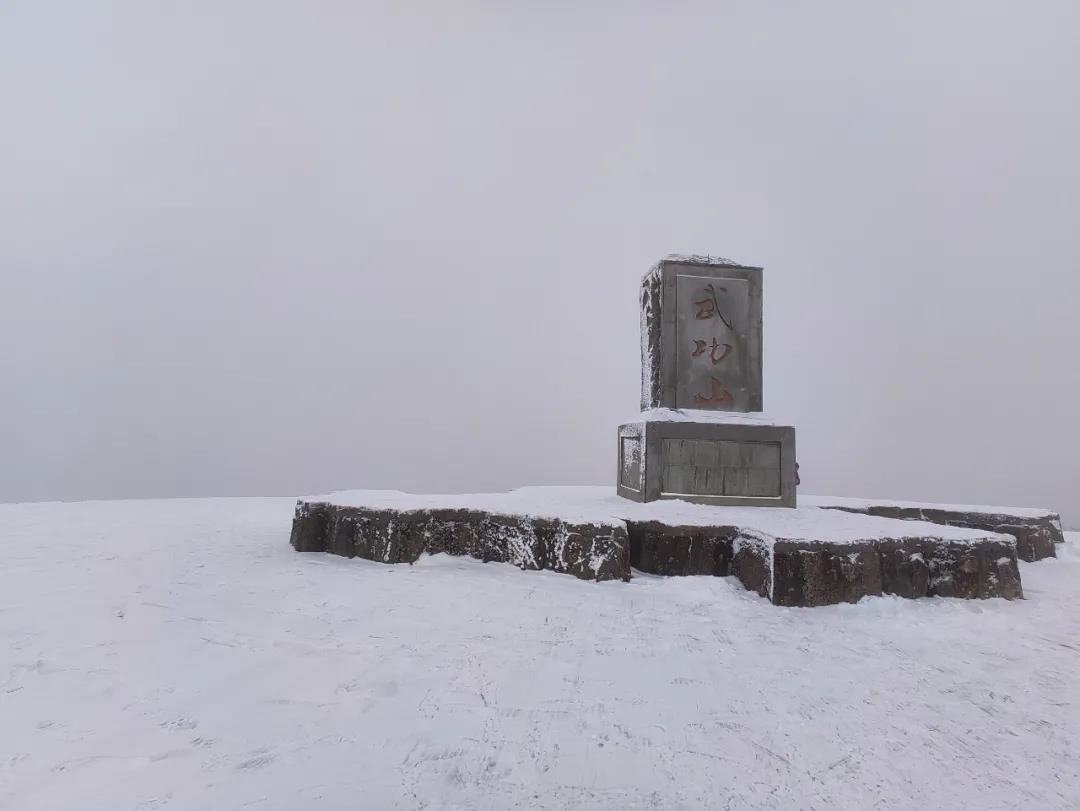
1036, 530
590, 551
805, 572
806, 556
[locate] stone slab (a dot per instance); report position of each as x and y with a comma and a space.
593, 551
1036, 531
808, 573
713, 462
798, 557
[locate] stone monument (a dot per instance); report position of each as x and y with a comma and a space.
702, 436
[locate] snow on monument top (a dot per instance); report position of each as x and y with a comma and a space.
697, 259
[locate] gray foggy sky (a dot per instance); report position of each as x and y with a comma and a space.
280, 248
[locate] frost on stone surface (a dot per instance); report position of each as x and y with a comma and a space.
802, 556
702, 259
650, 339
1036, 531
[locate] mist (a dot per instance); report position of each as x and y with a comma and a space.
283, 248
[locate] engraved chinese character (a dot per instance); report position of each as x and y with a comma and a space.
717, 394
710, 305
700, 347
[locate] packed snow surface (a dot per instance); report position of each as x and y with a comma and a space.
863, 503
700, 415
180, 655
602, 505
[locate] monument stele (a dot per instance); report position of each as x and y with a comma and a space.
701, 436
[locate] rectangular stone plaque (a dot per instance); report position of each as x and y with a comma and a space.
701, 336
711, 328
718, 467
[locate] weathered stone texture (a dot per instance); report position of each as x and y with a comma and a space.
787, 572
587, 551
811, 573
752, 565
650, 339
670, 550
1035, 537
904, 570
309, 529
823, 573
961, 570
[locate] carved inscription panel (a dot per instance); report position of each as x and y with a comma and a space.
709, 467
712, 332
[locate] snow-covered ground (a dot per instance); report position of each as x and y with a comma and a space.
180, 655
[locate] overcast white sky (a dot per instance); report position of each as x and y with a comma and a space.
280, 248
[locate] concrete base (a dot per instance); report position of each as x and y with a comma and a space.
707, 459
796, 557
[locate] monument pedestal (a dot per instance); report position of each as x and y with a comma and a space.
806, 556
707, 458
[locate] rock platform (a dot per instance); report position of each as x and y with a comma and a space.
805, 556
1036, 531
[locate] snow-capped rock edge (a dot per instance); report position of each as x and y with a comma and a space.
903, 558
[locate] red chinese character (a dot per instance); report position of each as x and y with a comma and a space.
717, 394
700, 347
706, 308
710, 305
